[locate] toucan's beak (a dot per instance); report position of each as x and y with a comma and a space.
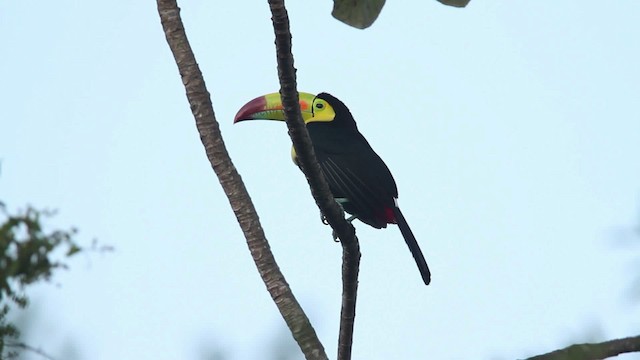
269, 107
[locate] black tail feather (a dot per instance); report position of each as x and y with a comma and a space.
413, 246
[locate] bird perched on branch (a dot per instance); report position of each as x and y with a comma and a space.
358, 178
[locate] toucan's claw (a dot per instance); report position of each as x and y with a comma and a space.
350, 219
333, 232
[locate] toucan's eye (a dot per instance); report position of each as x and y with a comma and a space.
319, 106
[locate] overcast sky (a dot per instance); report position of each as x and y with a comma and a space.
512, 130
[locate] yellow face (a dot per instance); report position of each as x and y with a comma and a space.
319, 110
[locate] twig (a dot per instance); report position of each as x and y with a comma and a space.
23, 346
318, 184
350, 268
593, 351
232, 184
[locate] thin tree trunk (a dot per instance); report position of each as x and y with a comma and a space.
200, 102
317, 182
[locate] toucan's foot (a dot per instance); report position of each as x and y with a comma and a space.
349, 219
326, 222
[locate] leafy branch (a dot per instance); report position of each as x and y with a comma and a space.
27, 256
28, 250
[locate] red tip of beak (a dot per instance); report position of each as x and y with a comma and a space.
249, 109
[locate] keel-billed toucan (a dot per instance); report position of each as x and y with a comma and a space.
358, 178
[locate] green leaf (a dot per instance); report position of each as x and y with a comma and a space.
73, 249
456, 3
357, 13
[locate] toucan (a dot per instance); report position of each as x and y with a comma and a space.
358, 178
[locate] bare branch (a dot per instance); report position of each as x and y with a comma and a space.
23, 346
232, 184
350, 268
318, 184
593, 351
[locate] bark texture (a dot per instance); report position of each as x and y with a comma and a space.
593, 351
200, 102
315, 178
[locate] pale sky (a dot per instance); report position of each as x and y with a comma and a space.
512, 130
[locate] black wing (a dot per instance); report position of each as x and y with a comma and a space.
355, 172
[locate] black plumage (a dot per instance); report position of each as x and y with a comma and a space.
358, 176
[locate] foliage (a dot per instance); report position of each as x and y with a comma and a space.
361, 14
27, 256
